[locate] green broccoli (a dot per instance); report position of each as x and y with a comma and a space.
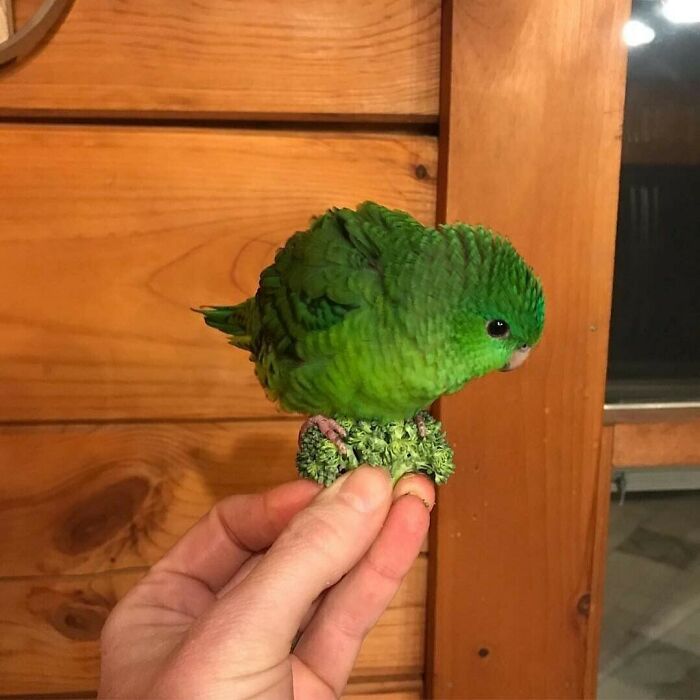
394, 445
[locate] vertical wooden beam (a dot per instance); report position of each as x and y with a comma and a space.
531, 139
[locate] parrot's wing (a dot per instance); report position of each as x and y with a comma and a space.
323, 274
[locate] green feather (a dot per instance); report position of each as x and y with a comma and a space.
232, 320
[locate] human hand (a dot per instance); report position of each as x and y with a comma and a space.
218, 615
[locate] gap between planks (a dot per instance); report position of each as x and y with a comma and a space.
73, 613
399, 687
39, 578
386, 123
150, 420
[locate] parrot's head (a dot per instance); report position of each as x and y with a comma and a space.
504, 314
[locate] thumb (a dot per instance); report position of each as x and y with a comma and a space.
262, 615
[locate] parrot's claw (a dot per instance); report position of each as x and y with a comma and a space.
330, 429
420, 424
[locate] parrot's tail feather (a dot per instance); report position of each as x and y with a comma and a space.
232, 320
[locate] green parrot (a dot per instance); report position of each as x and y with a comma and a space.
370, 315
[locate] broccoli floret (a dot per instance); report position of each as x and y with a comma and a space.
395, 445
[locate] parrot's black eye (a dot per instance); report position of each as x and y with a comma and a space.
497, 328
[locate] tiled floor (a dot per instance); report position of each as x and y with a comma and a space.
650, 644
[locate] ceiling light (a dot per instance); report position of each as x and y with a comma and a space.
681, 11
636, 33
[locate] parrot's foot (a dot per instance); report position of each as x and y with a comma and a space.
419, 420
330, 429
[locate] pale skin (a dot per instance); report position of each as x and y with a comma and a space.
219, 615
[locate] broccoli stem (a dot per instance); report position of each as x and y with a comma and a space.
399, 470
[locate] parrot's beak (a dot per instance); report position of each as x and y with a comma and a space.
516, 359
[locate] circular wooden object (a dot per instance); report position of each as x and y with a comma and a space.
33, 32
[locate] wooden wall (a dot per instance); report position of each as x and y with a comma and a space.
153, 155
302, 59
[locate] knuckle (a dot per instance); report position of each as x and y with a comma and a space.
220, 525
352, 625
386, 570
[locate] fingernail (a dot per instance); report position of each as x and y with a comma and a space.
427, 504
407, 487
366, 489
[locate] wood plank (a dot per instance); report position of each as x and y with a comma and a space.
667, 444
80, 499
106, 245
49, 631
400, 695
84, 498
385, 694
532, 148
232, 58
394, 688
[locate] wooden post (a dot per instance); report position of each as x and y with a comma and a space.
531, 118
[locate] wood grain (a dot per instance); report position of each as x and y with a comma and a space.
84, 498
50, 627
667, 444
80, 499
107, 243
407, 688
232, 58
386, 693
532, 149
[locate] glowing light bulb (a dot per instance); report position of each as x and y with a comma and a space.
681, 11
636, 33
